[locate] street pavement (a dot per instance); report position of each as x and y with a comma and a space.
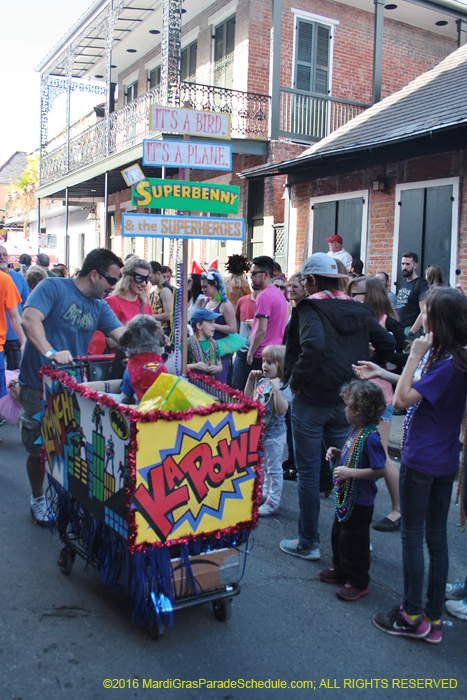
61, 637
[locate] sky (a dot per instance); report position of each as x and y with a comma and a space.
30, 30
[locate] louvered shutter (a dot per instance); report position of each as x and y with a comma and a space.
304, 63
321, 82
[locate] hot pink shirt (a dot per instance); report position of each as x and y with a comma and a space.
271, 304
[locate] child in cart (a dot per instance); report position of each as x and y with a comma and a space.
360, 463
266, 386
203, 352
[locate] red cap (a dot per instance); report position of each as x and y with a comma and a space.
334, 239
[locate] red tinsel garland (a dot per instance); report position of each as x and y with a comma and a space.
245, 405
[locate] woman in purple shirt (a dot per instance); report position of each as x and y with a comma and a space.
429, 460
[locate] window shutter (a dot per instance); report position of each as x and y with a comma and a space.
224, 51
155, 77
193, 57
184, 65
303, 69
320, 83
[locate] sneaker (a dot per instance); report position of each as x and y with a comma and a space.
330, 576
267, 509
297, 550
435, 634
41, 511
455, 591
349, 592
457, 608
396, 622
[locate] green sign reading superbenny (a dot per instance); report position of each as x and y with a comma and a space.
186, 196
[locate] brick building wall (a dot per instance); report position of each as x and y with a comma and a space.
381, 205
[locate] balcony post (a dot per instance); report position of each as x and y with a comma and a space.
461, 32
378, 50
44, 122
171, 51
275, 68
69, 70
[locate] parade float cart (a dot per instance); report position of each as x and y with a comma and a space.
160, 503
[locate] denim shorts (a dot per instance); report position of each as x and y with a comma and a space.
388, 413
30, 426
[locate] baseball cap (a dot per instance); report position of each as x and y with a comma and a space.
199, 315
322, 265
334, 239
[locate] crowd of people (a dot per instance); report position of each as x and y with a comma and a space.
329, 352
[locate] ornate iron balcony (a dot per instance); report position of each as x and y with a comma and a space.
130, 125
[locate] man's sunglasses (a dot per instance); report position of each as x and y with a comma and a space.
111, 280
357, 294
140, 279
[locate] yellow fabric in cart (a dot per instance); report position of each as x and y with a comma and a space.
170, 393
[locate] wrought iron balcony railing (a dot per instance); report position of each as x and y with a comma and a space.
304, 116
130, 125
309, 116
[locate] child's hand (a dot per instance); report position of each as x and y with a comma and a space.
276, 384
342, 473
255, 374
366, 370
421, 345
333, 453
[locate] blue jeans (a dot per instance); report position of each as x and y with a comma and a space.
241, 369
425, 502
311, 425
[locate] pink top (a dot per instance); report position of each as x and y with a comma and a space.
124, 310
271, 304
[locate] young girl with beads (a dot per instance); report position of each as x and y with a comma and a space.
203, 354
360, 463
435, 406
266, 386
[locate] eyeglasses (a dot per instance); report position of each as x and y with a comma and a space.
280, 286
140, 279
111, 280
357, 294
257, 272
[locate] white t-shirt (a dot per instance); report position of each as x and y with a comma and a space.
343, 256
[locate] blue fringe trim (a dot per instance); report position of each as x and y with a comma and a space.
147, 576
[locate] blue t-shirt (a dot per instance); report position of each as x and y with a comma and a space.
373, 457
23, 290
70, 319
277, 426
432, 444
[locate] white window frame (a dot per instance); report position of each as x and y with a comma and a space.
311, 17
455, 182
223, 14
339, 196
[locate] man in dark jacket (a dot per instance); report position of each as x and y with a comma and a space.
328, 333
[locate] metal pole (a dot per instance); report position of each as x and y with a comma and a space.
67, 241
163, 212
38, 223
106, 208
378, 50
275, 62
461, 32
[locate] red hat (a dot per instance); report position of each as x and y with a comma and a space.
334, 239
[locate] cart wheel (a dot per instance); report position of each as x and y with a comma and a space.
67, 558
156, 630
222, 609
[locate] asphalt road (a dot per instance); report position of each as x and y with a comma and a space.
61, 637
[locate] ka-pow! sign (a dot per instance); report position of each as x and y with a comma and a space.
189, 121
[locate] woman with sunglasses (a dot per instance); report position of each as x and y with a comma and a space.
129, 299
213, 287
281, 284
